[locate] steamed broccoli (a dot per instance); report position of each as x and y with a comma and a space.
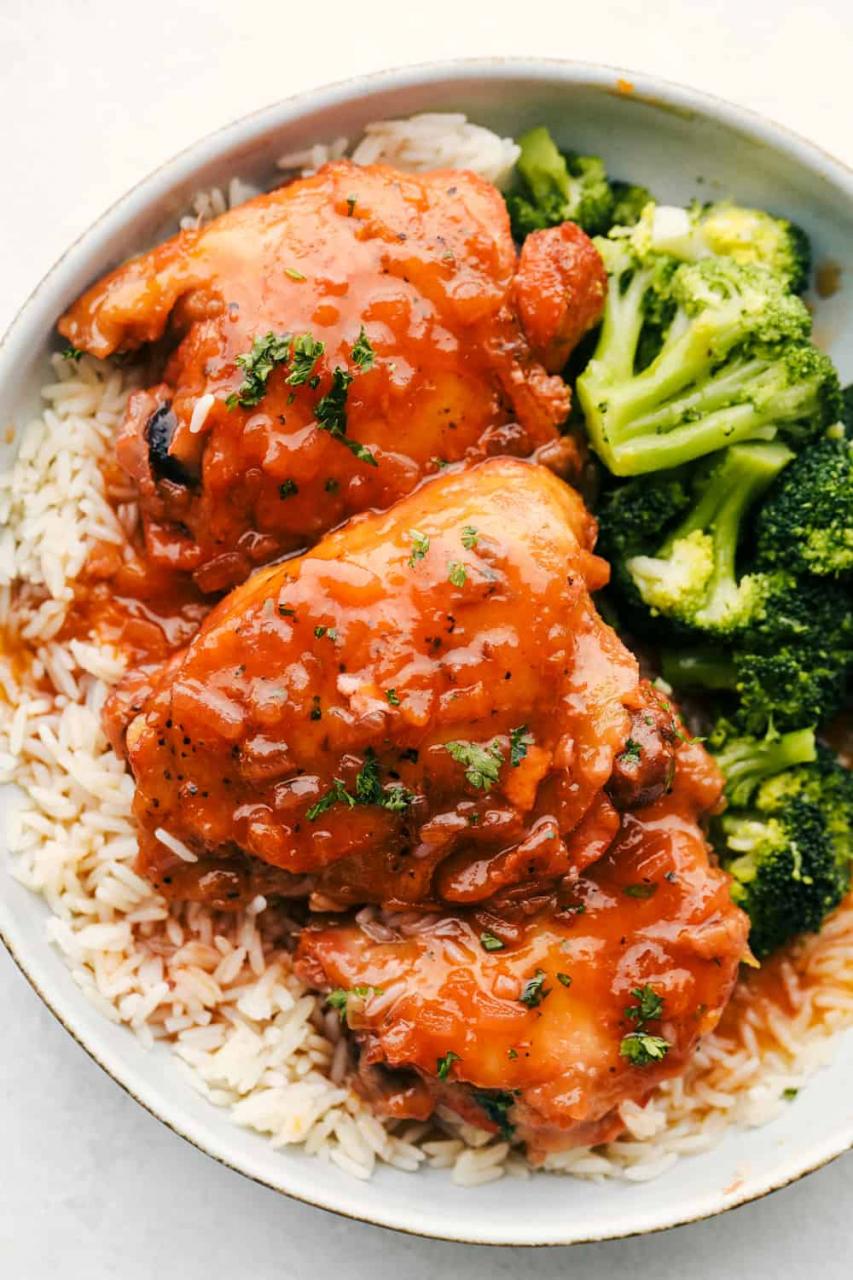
629, 201
727, 230
785, 839
730, 360
788, 687
552, 187
788, 663
806, 523
693, 576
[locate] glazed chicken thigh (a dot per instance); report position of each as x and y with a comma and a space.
426, 707
333, 342
543, 1023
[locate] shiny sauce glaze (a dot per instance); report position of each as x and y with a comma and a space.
448, 1016
307, 725
421, 266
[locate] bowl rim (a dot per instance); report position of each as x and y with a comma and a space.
652, 90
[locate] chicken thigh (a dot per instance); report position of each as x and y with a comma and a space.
426, 707
540, 1020
336, 340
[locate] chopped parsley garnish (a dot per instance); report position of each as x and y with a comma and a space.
368, 790
331, 414
362, 352
534, 990
790, 1094
469, 537
443, 1065
496, 1105
257, 365
72, 353
490, 941
420, 546
649, 1005
391, 695
631, 751
293, 273
512, 1054
337, 794
457, 573
305, 353
643, 890
565, 979
641, 1049
331, 485
482, 764
519, 740
316, 711
319, 632
339, 998
288, 488
286, 612
351, 203
331, 632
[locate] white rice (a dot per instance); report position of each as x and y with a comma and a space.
219, 989
434, 140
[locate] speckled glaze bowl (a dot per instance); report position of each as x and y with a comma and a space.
682, 144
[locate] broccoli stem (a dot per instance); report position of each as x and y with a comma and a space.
698, 668
744, 474
747, 762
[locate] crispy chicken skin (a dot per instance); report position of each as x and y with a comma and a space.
653, 913
425, 264
308, 722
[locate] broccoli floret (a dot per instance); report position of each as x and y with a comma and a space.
552, 187
693, 576
631, 518
734, 362
727, 230
629, 201
788, 664
747, 761
785, 839
806, 523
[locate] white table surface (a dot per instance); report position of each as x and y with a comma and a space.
94, 94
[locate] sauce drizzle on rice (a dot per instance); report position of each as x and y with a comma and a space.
220, 989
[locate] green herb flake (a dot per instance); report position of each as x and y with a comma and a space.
331, 485
457, 573
534, 990
72, 353
443, 1065
288, 488
631, 752
391, 695
512, 1054
368, 789
648, 1007
306, 351
319, 632
351, 203
565, 979
285, 611
643, 890
490, 941
337, 794
362, 352
330, 412
257, 365
470, 537
420, 546
293, 273
519, 740
641, 1049
482, 764
790, 1094
496, 1105
339, 998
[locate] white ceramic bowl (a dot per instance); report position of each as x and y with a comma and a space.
682, 144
